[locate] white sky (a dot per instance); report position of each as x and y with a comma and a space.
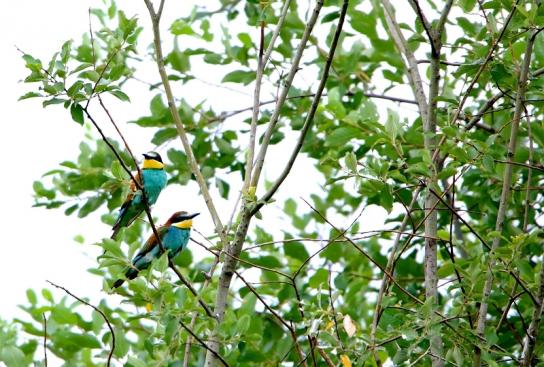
37, 243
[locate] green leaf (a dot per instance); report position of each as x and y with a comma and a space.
350, 161
53, 100
113, 247
63, 315
77, 113
342, 135
135, 362
295, 250
180, 27
157, 106
29, 95
65, 53
392, 125
46, 293
458, 356
118, 171
40, 190
75, 341
330, 17
120, 95
239, 76
467, 5
12, 356
31, 295
243, 324
184, 259
320, 278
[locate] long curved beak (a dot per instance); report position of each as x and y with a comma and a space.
193, 215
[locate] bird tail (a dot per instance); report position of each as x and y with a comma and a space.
116, 229
118, 283
130, 274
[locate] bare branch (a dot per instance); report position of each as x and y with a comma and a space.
310, 117
291, 329
331, 303
413, 73
261, 64
112, 349
425, 23
44, 339
203, 343
325, 357
481, 69
283, 94
245, 213
505, 193
179, 124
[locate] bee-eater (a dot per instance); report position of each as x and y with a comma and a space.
154, 180
174, 235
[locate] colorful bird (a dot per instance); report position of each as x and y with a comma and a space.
174, 235
154, 180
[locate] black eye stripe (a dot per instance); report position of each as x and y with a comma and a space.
153, 155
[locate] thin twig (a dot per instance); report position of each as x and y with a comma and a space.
413, 74
191, 288
155, 19
258, 166
505, 192
481, 69
112, 349
245, 216
261, 64
331, 302
203, 343
44, 339
310, 117
325, 357
529, 173
290, 328
208, 277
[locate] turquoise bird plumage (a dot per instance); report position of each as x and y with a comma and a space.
174, 235
154, 180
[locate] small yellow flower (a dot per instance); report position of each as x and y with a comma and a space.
345, 360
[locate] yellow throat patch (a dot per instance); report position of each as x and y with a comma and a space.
152, 164
184, 224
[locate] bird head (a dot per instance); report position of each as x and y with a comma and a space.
182, 220
152, 160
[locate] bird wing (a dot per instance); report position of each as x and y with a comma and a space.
151, 243
133, 185
133, 191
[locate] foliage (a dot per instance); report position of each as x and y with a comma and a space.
368, 150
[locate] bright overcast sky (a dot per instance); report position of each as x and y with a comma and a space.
37, 243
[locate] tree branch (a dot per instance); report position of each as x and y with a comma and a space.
203, 343
413, 73
112, 349
385, 280
310, 117
283, 94
155, 19
505, 193
44, 339
235, 248
261, 64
